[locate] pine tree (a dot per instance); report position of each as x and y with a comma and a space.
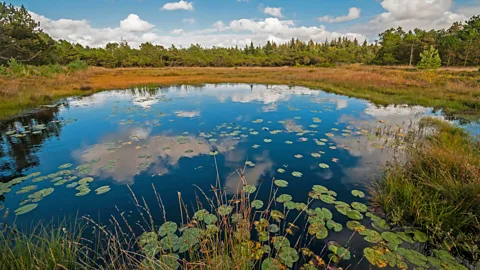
430, 59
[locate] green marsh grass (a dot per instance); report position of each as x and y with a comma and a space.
45, 246
437, 188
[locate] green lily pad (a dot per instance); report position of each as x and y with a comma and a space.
359, 207
85, 180
355, 226
25, 209
169, 241
392, 238
327, 214
406, 237
297, 174
170, 261
257, 204
358, 193
273, 228
419, 236
65, 166
224, 210
167, 228
281, 183
249, 189
26, 189
414, 257
288, 142
271, 264
337, 227
84, 191
320, 189
323, 166
267, 140
280, 242
284, 198
288, 256
354, 214
327, 199
102, 190
210, 219
72, 185
322, 232
280, 170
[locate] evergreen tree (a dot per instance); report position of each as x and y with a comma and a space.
430, 59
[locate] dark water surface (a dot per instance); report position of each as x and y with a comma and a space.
164, 137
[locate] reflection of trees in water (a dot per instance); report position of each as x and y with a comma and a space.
19, 154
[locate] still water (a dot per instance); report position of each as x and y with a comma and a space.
166, 137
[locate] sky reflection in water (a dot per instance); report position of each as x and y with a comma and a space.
164, 137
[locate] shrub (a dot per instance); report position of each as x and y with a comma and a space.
16, 68
430, 59
77, 65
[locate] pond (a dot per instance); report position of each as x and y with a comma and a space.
86, 156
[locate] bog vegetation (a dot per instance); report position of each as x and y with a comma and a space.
21, 38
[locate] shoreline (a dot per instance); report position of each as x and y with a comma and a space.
452, 90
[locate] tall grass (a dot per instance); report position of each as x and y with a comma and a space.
46, 246
437, 188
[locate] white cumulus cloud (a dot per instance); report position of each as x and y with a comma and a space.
274, 11
411, 14
181, 5
353, 13
133, 23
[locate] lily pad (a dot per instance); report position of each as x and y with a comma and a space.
354, 214
392, 238
297, 174
419, 236
257, 204
25, 209
323, 166
288, 142
358, 193
281, 183
26, 189
280, 242
288, 256
280, 170
167, 228
85, 180
359, 207
249, 189
102, 190
267, 140
284, 198
224, 210
65, 166
271, 264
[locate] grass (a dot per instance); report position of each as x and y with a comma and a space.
437, 188
453, 90
46, 246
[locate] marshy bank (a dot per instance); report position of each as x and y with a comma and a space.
455, 91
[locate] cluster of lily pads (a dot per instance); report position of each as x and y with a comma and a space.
263, 234
66, 176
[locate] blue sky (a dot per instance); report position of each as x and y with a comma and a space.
95, 22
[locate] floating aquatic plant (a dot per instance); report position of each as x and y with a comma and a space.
25, 209
297, 174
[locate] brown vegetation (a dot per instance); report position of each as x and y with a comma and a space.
454, 90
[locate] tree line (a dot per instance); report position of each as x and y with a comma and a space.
22, 39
